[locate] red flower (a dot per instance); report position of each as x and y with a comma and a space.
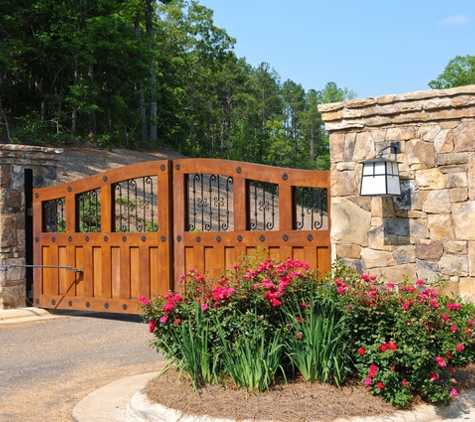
151, 325
404, 383
380, 385
298, 336
453, 328
383, 348
361, 351
434, 377
460, 347
177, 321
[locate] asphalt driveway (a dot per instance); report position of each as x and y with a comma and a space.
47, 366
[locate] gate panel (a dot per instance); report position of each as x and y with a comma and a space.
102, 242
107, 237
266, 210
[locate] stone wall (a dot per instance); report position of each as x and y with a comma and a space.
14, 160
429, 231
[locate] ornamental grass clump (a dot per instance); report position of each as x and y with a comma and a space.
239, 327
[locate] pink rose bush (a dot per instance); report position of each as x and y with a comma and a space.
400, 339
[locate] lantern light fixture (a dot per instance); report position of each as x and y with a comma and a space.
380, 176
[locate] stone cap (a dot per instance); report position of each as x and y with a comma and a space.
412, 107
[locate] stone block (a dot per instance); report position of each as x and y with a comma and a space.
375, 259
437, 202
344, 183
424, 152
441, 227
404, 254
395, 274
452, 159
466, 288
377, 239
451, 264
348, 251
419, 228
448, 288
456, 247
427, 270
429, 250
463, 136
14, 297
458, 195
456, 180
350, 223
430, 179
463, 213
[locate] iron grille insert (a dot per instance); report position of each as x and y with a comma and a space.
54, 216
136, 205
263, 202
88, 211
210, 202
311, 208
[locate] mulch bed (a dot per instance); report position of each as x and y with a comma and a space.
295, 401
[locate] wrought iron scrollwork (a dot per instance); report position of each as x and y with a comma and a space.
88, 211
263, 203
135, 205
54, 216
210, 202
311, 211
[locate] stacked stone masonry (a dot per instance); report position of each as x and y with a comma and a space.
14, 160
429, 231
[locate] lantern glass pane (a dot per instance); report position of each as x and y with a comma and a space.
394, 187
373, 185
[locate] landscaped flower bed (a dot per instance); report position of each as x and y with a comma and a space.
265, 322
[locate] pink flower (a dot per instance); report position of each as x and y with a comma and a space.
453, 328
368, 382
441, 361
460, 347
420, 282
163, 319
151, 325
236, 267
449, 355
453, 305
380, 385
434, 377
298, 336
177, 321
361, 351
454, 393
204, 307
144, 301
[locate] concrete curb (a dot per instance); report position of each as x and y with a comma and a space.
22, 314
461, 410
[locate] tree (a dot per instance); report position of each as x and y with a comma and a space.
460, 71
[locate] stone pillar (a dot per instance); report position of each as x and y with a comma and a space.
429, 231
17, 162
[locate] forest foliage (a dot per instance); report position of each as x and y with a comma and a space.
130, 73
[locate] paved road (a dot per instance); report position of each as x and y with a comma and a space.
48, 366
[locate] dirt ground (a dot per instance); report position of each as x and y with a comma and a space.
295, 401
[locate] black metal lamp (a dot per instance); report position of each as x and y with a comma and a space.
380, 177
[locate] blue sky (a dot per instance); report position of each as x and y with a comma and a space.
373, 47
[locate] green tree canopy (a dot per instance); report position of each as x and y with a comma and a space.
459, 72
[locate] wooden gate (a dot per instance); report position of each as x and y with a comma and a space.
102, 242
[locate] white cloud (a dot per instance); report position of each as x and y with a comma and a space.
455, 20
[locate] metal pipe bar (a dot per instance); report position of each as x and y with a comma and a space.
77, 270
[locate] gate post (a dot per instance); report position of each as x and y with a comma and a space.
18, 163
